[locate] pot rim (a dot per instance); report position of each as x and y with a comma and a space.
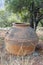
21, 24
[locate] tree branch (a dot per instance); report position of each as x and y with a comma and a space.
40, 17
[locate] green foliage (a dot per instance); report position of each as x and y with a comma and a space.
14, 18
41, 23
3, 19
6, 19
41, 37
20, 5
17, 11
25, 15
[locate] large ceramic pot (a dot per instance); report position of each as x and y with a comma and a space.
21, 39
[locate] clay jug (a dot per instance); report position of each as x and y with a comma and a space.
21, 39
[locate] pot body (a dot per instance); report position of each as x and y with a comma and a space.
21, 39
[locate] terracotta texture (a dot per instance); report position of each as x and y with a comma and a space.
21, 39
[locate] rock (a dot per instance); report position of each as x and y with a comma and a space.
39, 47
3, 31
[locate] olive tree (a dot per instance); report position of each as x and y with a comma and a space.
27, 9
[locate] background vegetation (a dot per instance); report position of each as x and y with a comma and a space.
17, 11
